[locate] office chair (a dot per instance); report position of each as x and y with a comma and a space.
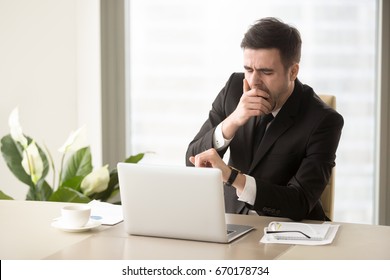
327, 197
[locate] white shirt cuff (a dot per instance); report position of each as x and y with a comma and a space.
218, 140
248, 195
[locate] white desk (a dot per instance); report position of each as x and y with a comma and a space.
26, 233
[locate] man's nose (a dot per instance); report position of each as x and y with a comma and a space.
255, 80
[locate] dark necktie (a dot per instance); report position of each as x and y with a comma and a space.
260, 129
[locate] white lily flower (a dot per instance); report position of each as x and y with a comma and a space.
16, 129
96, 181
76, 140
32, 162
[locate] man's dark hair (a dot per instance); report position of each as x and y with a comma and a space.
269, 33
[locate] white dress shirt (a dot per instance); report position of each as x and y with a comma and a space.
248, 195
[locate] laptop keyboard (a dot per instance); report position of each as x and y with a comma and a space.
230, 231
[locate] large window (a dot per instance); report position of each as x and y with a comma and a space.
182, 52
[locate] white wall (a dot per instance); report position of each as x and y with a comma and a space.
89, 74
49, 54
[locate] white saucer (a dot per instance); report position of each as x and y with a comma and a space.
90, 225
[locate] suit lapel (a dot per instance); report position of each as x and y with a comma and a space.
276, 128
282, 122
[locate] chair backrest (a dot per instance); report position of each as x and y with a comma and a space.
327, 197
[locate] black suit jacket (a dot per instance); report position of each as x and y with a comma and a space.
294, 161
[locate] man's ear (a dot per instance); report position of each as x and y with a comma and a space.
294, 72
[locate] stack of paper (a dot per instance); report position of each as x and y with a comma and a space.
106, 213
299, 233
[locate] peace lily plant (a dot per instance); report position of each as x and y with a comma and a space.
77, 180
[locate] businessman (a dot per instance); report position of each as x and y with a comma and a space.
282, 138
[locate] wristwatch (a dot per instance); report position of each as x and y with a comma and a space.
233, 176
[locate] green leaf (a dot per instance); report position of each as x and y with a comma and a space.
4, 196
65, 194
79, 164
73, 183
45, 162
135, 158
115, 197
44, 190
13, 155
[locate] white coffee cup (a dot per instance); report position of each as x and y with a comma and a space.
75, 216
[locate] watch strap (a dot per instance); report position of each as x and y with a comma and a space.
233, 176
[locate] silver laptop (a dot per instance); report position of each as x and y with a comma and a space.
175, 202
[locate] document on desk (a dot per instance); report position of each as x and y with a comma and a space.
107, 213
299, 233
